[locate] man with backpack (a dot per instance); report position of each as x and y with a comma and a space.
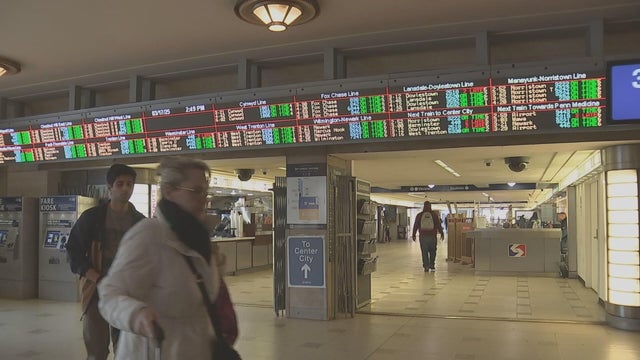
428, 223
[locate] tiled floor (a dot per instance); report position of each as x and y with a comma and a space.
400, 286
448, 322
46, 330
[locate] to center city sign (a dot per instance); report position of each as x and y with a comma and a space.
305, 261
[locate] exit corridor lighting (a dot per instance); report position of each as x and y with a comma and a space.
447, 167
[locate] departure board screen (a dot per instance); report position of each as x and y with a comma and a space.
257, 122
547, 102
186, 128
342, 116
414, 110
114, 135
440, 109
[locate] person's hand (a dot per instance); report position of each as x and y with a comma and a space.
92, 275
441, 237
145, 322
413, 237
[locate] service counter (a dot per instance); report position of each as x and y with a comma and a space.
516, 251
243, 253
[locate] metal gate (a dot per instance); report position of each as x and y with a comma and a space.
279, 244
343, 232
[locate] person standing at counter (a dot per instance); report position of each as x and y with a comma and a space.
428, 223
154, 281
92, 246
562, 218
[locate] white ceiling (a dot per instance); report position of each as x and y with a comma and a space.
87, 43
549, 163
92, 43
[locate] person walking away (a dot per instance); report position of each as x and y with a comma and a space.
153, 284
428, 224
92, 246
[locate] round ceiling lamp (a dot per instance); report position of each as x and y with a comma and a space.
277, 15
8, 67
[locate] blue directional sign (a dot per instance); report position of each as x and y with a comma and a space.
306, 261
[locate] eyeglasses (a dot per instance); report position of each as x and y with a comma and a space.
197, 191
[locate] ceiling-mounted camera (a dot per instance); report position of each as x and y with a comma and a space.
244, 174
517, 163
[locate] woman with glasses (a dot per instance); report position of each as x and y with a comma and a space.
151, 284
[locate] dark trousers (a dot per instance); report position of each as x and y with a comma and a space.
97, 333
428, 245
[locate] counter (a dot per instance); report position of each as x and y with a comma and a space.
243, 253
516, 251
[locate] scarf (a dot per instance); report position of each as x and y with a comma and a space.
189, 230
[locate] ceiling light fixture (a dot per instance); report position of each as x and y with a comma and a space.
447, 167
277, 15
8, 67
511, 184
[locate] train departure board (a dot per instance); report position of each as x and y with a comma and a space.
422, 109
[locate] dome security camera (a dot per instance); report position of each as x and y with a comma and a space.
244, 174
517, 163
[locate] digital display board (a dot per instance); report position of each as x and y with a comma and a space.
256, 122
416, 109
624, 91
342, 116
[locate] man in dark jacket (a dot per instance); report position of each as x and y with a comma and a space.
92, 246
428, 223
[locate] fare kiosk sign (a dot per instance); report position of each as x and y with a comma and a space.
306, 261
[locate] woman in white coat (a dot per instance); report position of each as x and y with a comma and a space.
150, 282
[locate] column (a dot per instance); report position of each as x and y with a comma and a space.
621, 165
310, 237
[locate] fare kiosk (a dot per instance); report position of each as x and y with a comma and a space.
57, 216
18, 247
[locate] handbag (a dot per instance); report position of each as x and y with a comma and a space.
225, 314
222, 349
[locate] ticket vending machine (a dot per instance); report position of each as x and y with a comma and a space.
57, 216
18, 247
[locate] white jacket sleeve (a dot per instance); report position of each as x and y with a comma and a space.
124, 290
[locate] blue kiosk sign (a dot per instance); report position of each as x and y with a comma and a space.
306, 261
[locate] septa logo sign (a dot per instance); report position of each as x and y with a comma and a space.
517, 250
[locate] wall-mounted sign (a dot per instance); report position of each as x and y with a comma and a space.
624, 91
517, 250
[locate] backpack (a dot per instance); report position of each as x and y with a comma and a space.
426, 222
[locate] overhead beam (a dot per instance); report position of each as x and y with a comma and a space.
334, 64
75, 97
595, 39
483, 50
